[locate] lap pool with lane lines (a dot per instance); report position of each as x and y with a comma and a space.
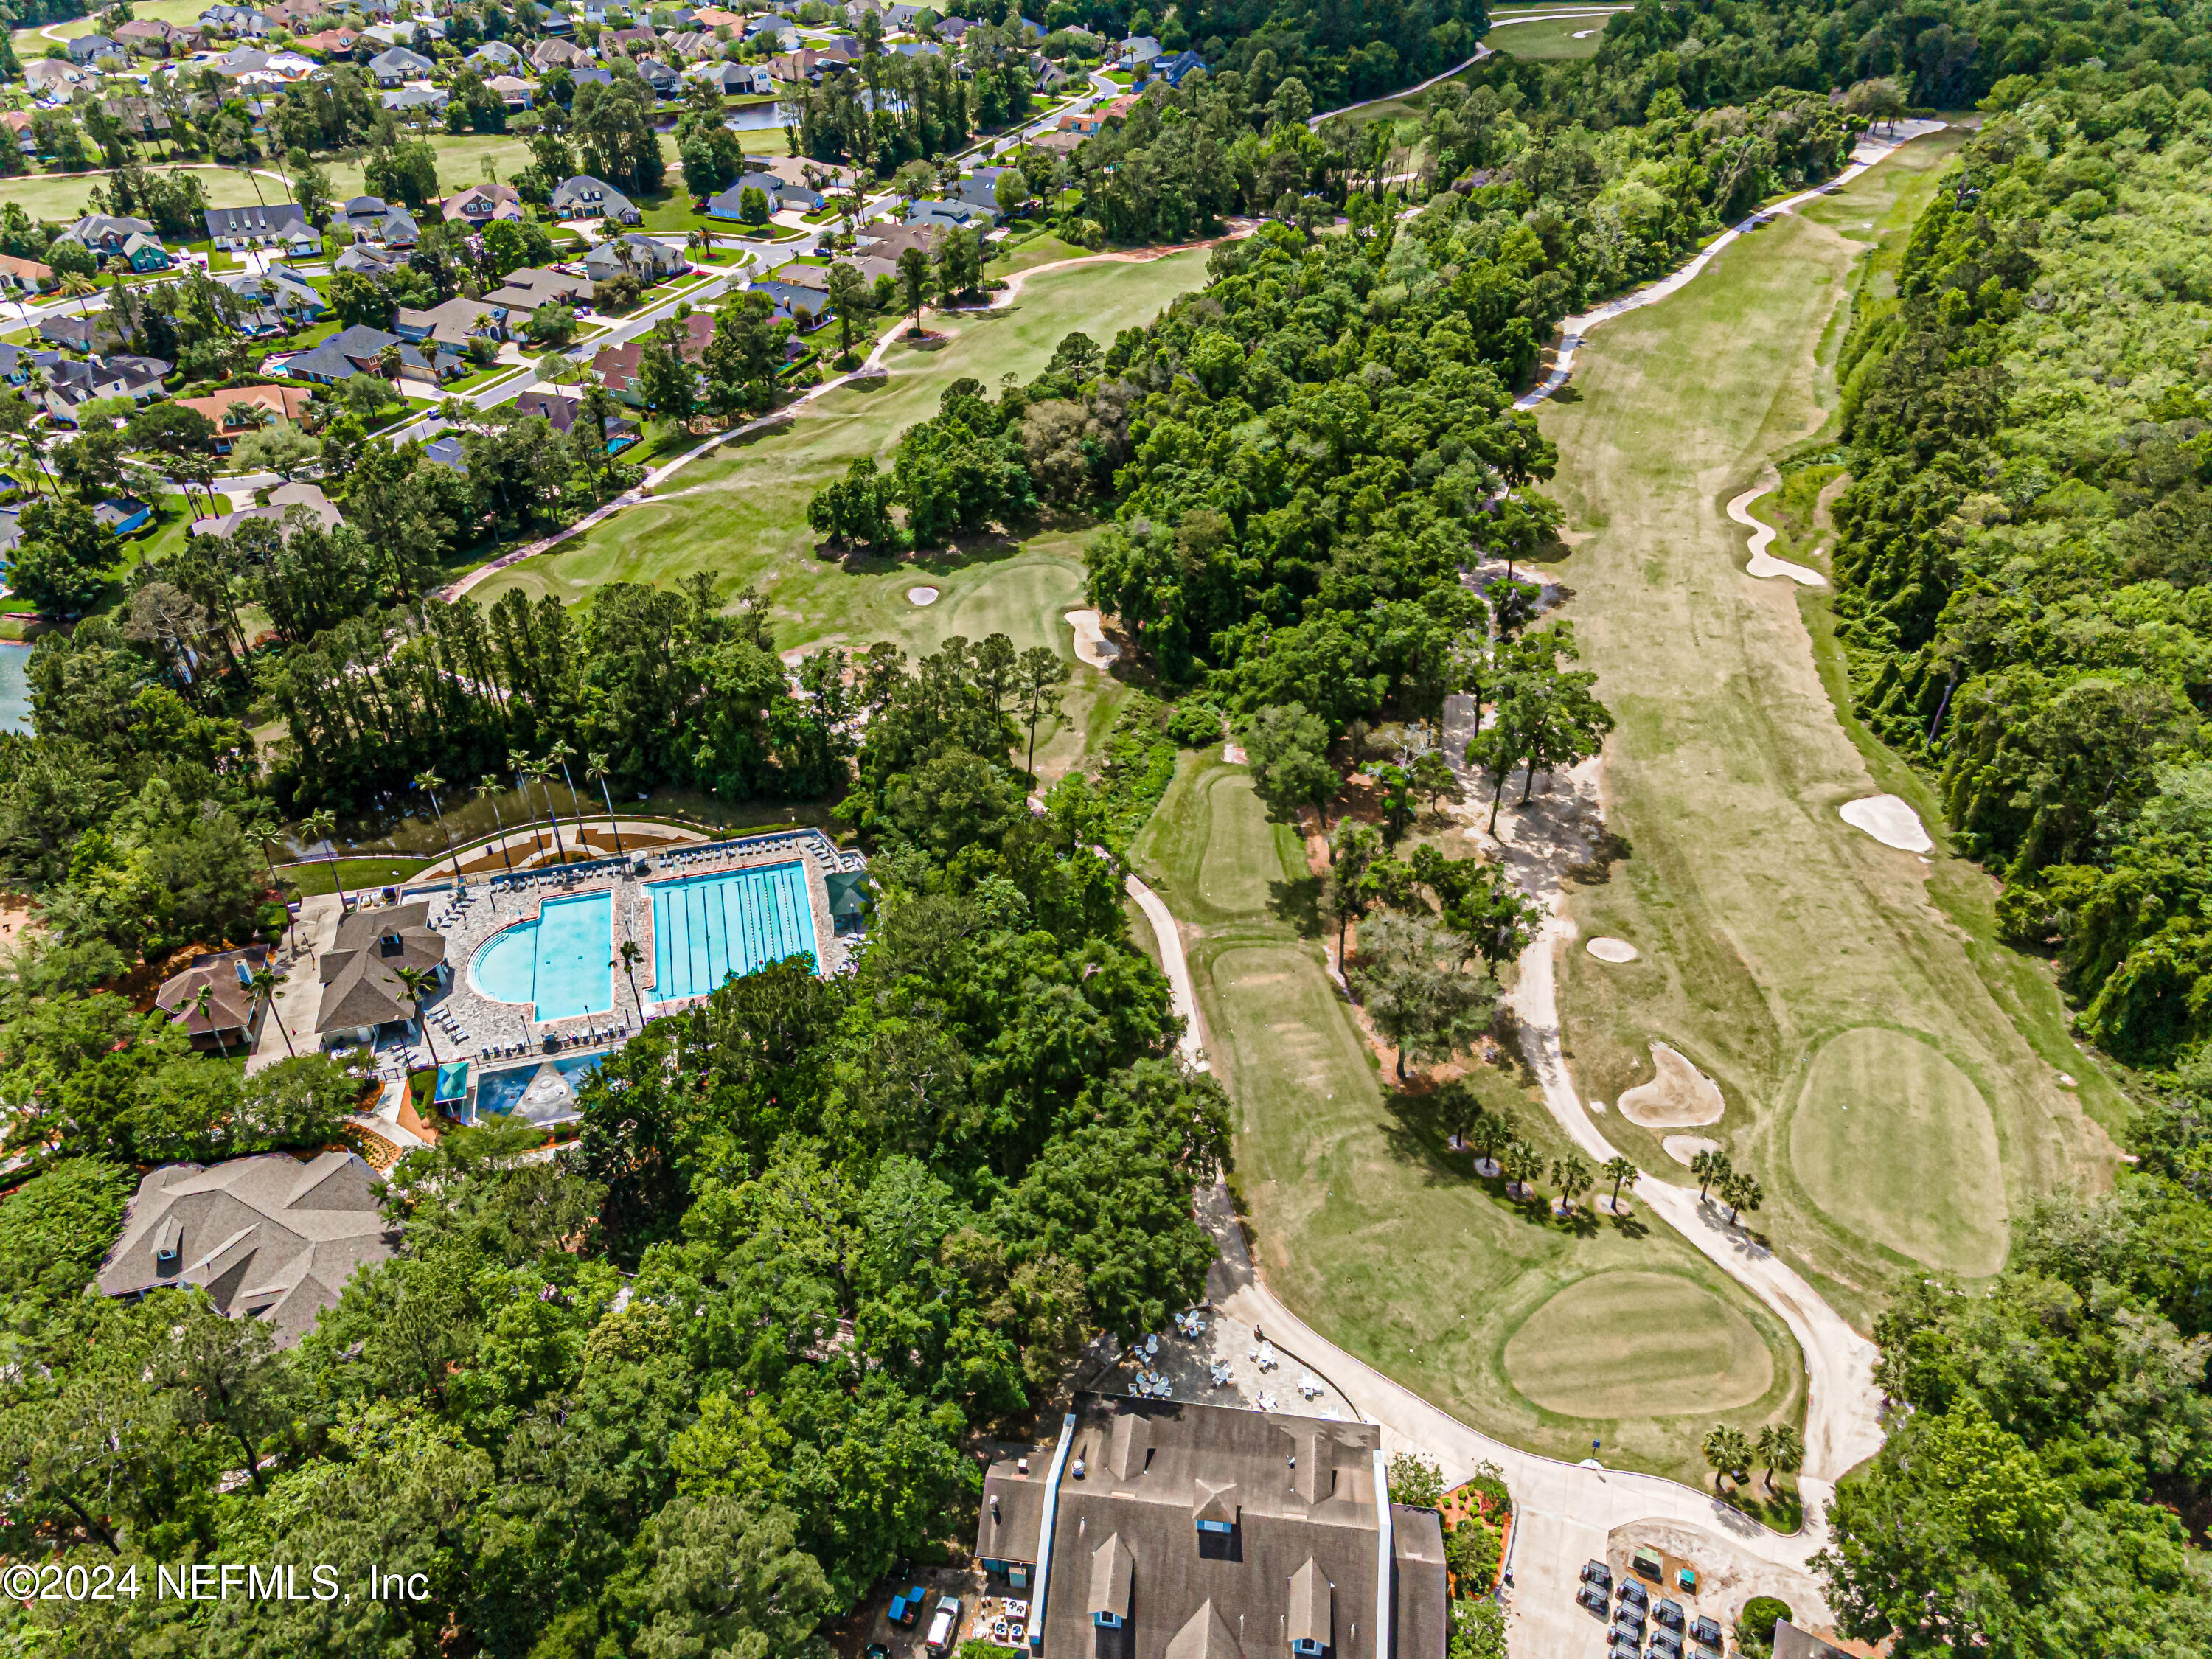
560, 961
706, 928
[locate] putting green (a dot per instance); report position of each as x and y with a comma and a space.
1025, 597
1893, 1141
1641, 1344
1241, 864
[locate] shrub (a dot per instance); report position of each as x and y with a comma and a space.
1474, 1551
1754, 1626
1195, 726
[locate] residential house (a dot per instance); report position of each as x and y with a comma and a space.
1083, 124
958, 215
458, 321
717, 17
1057, 144
818, 276
72, 383
558, 54
290, 506
151, 38
793, 67
244, 21
142, 118
1207, 1532
586, 197
51, 81
804, 170
241, 61
953, 29
1137, 49
554, 20
886, 242
142, 253
274, 225
559, 410
22, 278
981, 187
642, 256
781, 193
370, 258
333, 43
286, 299
689, 48
359, 350
660, 79
88, 333
1791, 1642
447, 451
1172, 70
629, 41
590, 75
616, 366
1046, 76
495, 58
244, 409
21, 122
514, 92
268, 1238
88, 49
232, 1014
363, 995
529, 287
123, 515
778, 30
397, 66
405, 98
807, 306
480, 204
740, 80
106, 232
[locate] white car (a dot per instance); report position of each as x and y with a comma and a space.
944, 1625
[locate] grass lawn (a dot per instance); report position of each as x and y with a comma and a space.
1557, 38
1550, 1333
741, 513
314, 875
47, 198
1802, 965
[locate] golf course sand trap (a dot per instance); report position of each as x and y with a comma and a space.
1895, 1142
1630, 1344
921, 596
1764, 563
1610, 950
1889, 821
1091, 644
1684, 1149
1680, 1098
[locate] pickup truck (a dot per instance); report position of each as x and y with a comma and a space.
944, 1626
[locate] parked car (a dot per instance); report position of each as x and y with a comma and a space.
1594, 1598
906, 1606
1634, 1594
944, 1626
1622, 1648
1669, 1613
1597, 1572
1665, 1644
1632, 1617
1705, 1632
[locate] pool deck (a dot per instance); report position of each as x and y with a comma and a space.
502, 1031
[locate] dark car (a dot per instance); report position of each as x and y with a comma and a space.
1630, 1617
1705, 1632
1597, 1572
1634, 1594
1669, 1613
1593, 1598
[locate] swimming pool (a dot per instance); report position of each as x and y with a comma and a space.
706, 928
559, 961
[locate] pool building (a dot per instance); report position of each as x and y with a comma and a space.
544, 987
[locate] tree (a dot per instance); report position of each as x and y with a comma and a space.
420, 982
488, 790
1742, 1193
596, 771
228, 1374
1710, 1165
429, 783
55, 1228
752, 205
1418, 998
1617, 1169
628, 955
1728, 1451
1522, 1165
279, 447
1780, 1447
321, 826
914, 282
1038, 676
201, 999
1487, 1129
848, 298
63, 561
1431, 776
1010, 189
1572, 1177
1416, 1481
1351, 850
1287, 750
727, 1576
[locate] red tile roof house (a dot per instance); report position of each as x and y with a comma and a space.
616, 366
20, 277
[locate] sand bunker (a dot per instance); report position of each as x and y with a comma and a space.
1889, 821
1684, 1149
1764, 563
921, 596
1610, 950
1091, 644
1680, 1098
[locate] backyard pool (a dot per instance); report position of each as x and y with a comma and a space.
706, 928
560, 961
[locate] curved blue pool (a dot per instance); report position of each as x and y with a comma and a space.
706, 928
560, 961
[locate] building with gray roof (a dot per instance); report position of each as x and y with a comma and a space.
363, 991
269, 1238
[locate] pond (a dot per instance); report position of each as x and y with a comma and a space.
14, 690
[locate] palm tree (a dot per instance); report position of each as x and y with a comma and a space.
264, 985
1617, 1169
1572, 1177
1741, 1192
1710, 1166
488, 789
560, 754
259, 823
595, 771
430, 783
628, 955
320, 826
1487, 1131
1780, 1447
418, 980
201, 999
1522, 1163
1728, 1449
542, 771
519, 764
